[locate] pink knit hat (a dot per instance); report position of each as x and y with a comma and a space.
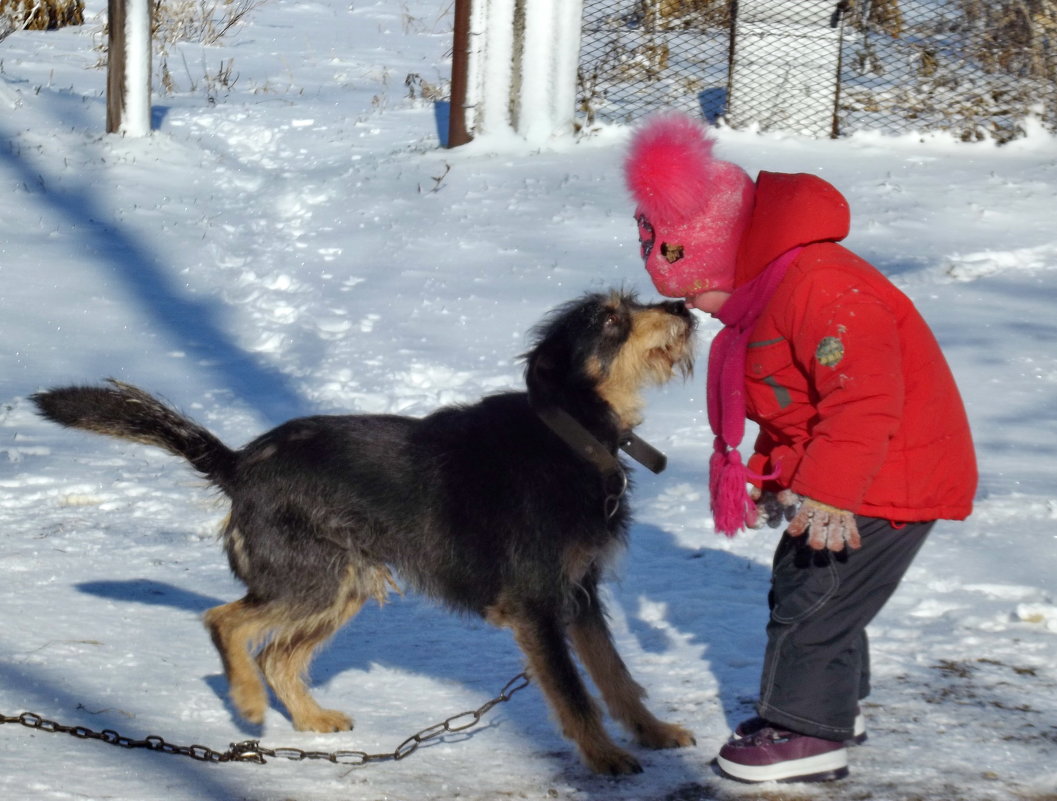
692, 207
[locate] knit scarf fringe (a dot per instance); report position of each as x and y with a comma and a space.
732, 506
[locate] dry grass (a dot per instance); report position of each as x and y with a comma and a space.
200, 21
693, 14
886, 15
1018, 37
39, 15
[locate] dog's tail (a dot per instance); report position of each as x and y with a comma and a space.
121, 410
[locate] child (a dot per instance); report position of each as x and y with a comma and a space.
863, 439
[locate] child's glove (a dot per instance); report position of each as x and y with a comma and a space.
774, 507
827, 526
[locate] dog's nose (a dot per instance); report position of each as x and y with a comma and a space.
678, 308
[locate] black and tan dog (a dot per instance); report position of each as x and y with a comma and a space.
510, 509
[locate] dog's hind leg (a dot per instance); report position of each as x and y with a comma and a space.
623, 696
542, 639
237, 628
286, 658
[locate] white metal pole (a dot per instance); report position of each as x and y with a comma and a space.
496, 23
566, 64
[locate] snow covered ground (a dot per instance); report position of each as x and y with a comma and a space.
296, 243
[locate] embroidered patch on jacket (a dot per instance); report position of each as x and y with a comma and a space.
671, 252
830, 351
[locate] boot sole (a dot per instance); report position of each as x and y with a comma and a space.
821, 768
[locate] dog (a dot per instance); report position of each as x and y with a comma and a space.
511, 508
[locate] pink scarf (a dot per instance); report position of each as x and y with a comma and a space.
732, 508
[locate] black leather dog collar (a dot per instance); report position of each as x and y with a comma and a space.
584, 443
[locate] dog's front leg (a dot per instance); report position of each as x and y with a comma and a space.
541, 637
623, 695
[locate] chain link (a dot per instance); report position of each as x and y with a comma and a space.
613, 496
253, 751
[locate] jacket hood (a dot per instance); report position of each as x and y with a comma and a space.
790, 210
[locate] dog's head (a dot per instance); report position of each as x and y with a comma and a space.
603, 349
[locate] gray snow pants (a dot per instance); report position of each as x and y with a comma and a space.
817, 663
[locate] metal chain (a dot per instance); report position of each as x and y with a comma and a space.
612, 502
253, 751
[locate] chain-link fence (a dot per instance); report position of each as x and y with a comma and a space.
977, 68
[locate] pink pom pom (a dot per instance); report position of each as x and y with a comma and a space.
732, 506
670, 168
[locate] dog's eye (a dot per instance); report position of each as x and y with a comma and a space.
615, 326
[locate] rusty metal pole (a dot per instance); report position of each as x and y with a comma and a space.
128, 67
837, 21
115, 68
460, 62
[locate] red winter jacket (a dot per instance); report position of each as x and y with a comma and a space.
856, 405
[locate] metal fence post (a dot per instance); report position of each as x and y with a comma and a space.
785, 69
458, 134
521, 68
128, 67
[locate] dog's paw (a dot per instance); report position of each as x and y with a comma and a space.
665, 735
613, 762
251, 701
325, 720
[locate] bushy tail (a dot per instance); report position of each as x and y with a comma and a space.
121, 410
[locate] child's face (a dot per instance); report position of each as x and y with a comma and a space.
708, 302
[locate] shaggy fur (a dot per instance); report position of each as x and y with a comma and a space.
481, 507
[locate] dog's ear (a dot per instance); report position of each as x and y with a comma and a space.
543, 374
553, 378
556, 371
